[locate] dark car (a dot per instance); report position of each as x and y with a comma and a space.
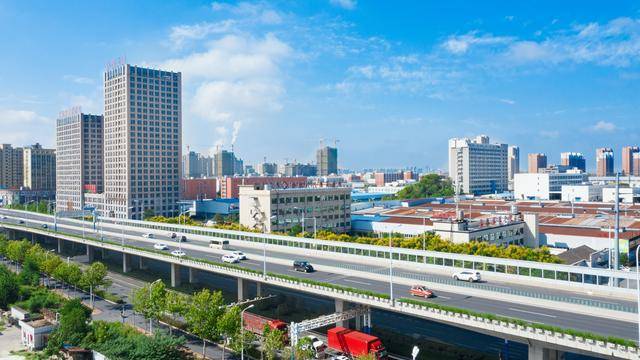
182, 239
20, 221
45, 226
303, 266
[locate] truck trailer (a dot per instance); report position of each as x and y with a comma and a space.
355, 343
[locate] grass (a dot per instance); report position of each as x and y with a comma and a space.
572, 332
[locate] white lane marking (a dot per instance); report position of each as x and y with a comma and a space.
532, 312
443, 297
252, 262
357, 282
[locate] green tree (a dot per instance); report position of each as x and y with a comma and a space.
203, 313
95, 276
150, 301
17, 250
303, 350
175, 304
50, 264
73, 327
30, 274
148, 213
273, 342
9, 288
431, 185
68, 273
229, 326
295, 230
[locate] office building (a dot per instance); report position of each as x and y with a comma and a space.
39, 168
628, 153
544, 186
536, 162
198, 189
79, 158
573, 160
604, 162
230, 185
382, 178
513, 166
636, 164
582, 193
142, 141
282, 209
11, 167
477, 166
297, 169
327, 161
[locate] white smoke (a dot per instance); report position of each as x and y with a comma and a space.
236, 130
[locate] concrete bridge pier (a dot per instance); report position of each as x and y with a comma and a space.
142, 264
340, 308
126, 262
90, 253
192, 275
258, 289
539, 352
59, 246
175, 275
243, 290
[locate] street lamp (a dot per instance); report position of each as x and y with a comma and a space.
638, 289
242, 330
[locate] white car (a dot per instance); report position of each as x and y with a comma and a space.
230, 258
160, 246
4, 217
147, 235
467, 275
171, 235
178, 253
239, 254
340, 357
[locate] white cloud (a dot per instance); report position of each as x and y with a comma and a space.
21, 127
603, 126
507, 101
345, 4
182, 33
79, 79
257, 12
460, 44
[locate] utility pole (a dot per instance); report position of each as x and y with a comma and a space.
617, 225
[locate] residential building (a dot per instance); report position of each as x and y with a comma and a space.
604, 162
582, 193
267, 169
230, 185
197, 189
627, 195
11, 167
226, 164
281, 209
196, 165
34, 334
79, 158
39, 168
536, 162
544, 186
513, 166
297, 169
636, 164
477, 166
327, 161
573, 160
142, 141
628, 155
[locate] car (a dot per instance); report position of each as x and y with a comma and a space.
160, 246
178, 253
339, 357
421, 291
239, 254
230, 258
20, 221
304, 266
171, 235
467, 275
318, 346
147, 235
45, 226
180, 238
4, 217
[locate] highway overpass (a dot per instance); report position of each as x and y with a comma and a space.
372, 277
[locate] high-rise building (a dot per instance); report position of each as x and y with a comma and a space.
513, 167
298, 169
636, 164
225, 162
572, 160
267, 169
627, 159
327, 160
39, 169
536, 162
604, 162
79, 158
478, 167
142, 141
191, 165
11, 167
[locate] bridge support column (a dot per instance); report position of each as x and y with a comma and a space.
340, 308
242, 289
366, 319
90, 254
258, 289
126, 262
539, 352
192, 275
59, 246
175, 275
142, 264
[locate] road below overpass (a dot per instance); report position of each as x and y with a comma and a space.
342, 276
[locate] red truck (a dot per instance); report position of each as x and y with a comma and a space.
355, 343
256, 323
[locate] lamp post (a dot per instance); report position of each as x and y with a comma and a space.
242, 330
638, 289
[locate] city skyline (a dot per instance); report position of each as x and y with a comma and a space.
349, 73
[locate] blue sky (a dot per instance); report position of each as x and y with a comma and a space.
391, 81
